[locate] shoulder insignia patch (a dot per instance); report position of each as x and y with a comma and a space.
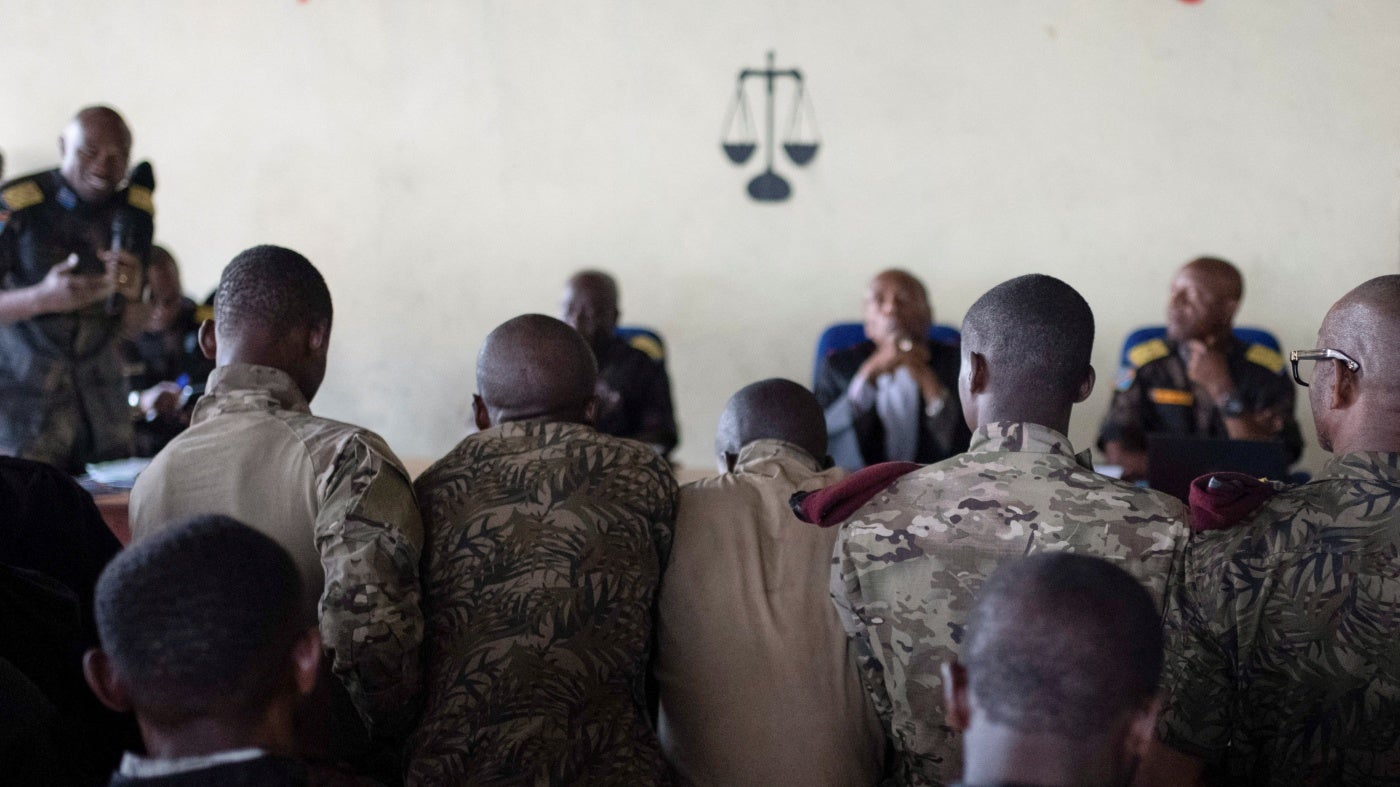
647, 345
1265, 357
1126, 375
1142, 354
203, 312
22, 195
1171, 396
140, 197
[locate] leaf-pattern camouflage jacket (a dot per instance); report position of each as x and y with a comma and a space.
1283, 642
546, 543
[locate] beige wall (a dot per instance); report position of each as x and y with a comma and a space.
447, 163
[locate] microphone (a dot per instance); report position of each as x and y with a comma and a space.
132, 223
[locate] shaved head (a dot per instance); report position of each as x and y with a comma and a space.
773, 409
1360, 411
590, 306
95, 147
535, 366
1205, 294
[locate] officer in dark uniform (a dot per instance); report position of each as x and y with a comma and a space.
1200, 380
164, 366
62, 393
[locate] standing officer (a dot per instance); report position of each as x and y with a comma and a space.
62, 392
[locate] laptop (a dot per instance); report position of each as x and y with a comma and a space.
1174, 461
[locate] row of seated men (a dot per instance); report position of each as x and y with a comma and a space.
496, 621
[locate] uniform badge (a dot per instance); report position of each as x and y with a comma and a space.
1126, 375
1171, 396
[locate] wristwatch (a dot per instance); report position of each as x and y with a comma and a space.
1233, 406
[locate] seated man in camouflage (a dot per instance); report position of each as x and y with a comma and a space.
1200, 380
751, 661
909, 562
1283, 664
332, 494
1057, 684
546, 545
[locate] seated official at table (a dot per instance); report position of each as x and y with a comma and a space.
893, 397
634, 392
164, 358
1200, 380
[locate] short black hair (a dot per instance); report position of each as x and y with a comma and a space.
1038, 330
200, 620
272, 286
772, 409
1062, 644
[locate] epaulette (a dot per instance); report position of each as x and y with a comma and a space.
1143, 353
647, 345
20, 195
139, 197
203, 312
1266, 357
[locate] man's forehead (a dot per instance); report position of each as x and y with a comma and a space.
99, 130
898, 283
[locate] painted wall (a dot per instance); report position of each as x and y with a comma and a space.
448, 163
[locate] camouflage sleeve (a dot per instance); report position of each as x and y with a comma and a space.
845, 592
370, 538
1197, 674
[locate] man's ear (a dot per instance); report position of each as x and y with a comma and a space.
1086, 386
479, 413
318, 335
1343, 389
978, 374
306, 659
208, 341
105, 683
1142, 728
957, 712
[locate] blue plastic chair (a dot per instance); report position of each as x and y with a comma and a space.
841, 335
1245, 334
644, 339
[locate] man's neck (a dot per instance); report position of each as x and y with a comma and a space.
995, 754
206, 736
997, 412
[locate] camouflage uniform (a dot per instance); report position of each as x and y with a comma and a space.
545, 548
1283, 662
62, 392
909, 563
335, 496
1155, 395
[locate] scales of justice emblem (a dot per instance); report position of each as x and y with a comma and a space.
800, 138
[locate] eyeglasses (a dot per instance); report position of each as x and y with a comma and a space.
1303, 375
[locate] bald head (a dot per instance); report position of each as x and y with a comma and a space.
1360, 411
896, 307
772, 409
1205, 294
535, 366
95, 147
590, 306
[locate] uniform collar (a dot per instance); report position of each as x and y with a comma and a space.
246, 386
770, 457
1024, 437
1375, 466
